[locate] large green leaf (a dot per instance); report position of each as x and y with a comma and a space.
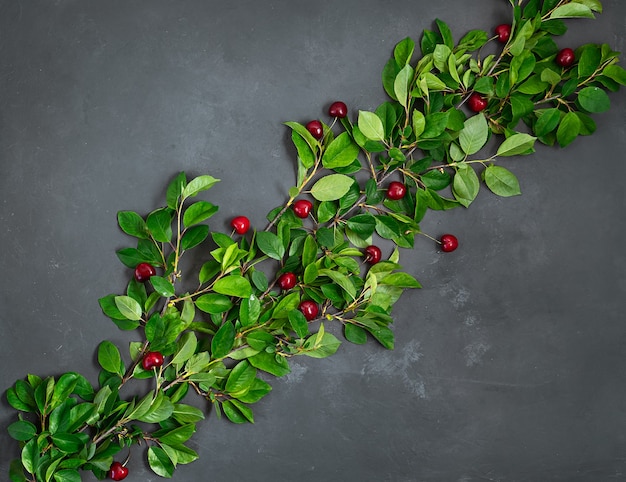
233, 285
331, 188
198, 212
465, 185
200, 183
160, 463
109, 358
341, 152
270, 244
594, 99
474, 134
572, 10
516, 144
223, 340
371, 126
133, 224
501, 181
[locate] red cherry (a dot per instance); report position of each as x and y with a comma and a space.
286, 281
309, 309
503, 32
373, 254
144, 271
396, 190
565, 58
338, 109
240, 224
449, 243
152, 359
315, 128
302, 208
117, 471
476, 102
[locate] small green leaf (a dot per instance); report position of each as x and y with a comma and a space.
233, 285
616, 73
517, 144
572, 10
109, 358
223, 340
371, 126
22, 430
162, 286
67, 475
213, 303
403, 51
305, 152
474, 134
186, 347
594, 99
159, 223
568, 130
298, 322
241, 378
128, 307
501, 181
194, 236
160, 463
465, 185
400, 280
589, 60
249, 310
330, 188
175, 189
200, 183
355, 334
547, 122
131, 223
198, 212
341, 152
418, 123
270, 244
401, 86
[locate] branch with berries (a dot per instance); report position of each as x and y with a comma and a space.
267, 294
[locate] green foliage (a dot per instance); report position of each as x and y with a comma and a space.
218, 338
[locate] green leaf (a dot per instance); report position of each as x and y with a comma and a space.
341, 279
213, 303
194, 236
223, 340
418, 123
270, 244
298, 322
271, 363
249, 310
200, 183
446, 33
305, 152
22, 430
371, 126
198, 212
400, 280
304, 133
465, 185
589, 60
474, 134
177, 436
401, 86
435, 125
330, 188
109, 358
30, 456
186, 347
162, 286
517, 144
547, 122
341, 152
240, 379
64, 388
501, 181
233, 285
70, 442
175, 189
362, 224
128, 307
131, 223
403, 51
616, 73
355, 334
568, 130
187, 414
160, 463
67, 475
159, 223
594, 99
572, 10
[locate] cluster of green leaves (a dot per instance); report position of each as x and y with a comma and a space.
222, 338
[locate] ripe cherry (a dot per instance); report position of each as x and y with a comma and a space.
503, 32
338, 109
476, 102
565, 58
309, 309
396, 190
240, 224
449, 243
315, 128
373, 254
152, 359
286, 281
302, 208
144, 271
117, 471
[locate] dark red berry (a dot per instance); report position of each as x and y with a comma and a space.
449, 243
565, 58
503, 32
286, 281
338, 109
315, 128
309, 309
240, 224
396, 190
476, 102
152, 359
302, 208
373, 254
117, 471
144, 271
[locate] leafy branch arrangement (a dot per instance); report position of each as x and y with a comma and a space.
263, 296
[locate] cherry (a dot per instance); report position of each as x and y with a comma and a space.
565, 58
503, 32
117, 471
476, 102
396, 190
315, 128
152, 359
286, 281
309, 309
144, 271
240, 224
302, 208
373, 254
449, 243
338, 109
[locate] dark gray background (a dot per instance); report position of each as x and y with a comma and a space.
509, 363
